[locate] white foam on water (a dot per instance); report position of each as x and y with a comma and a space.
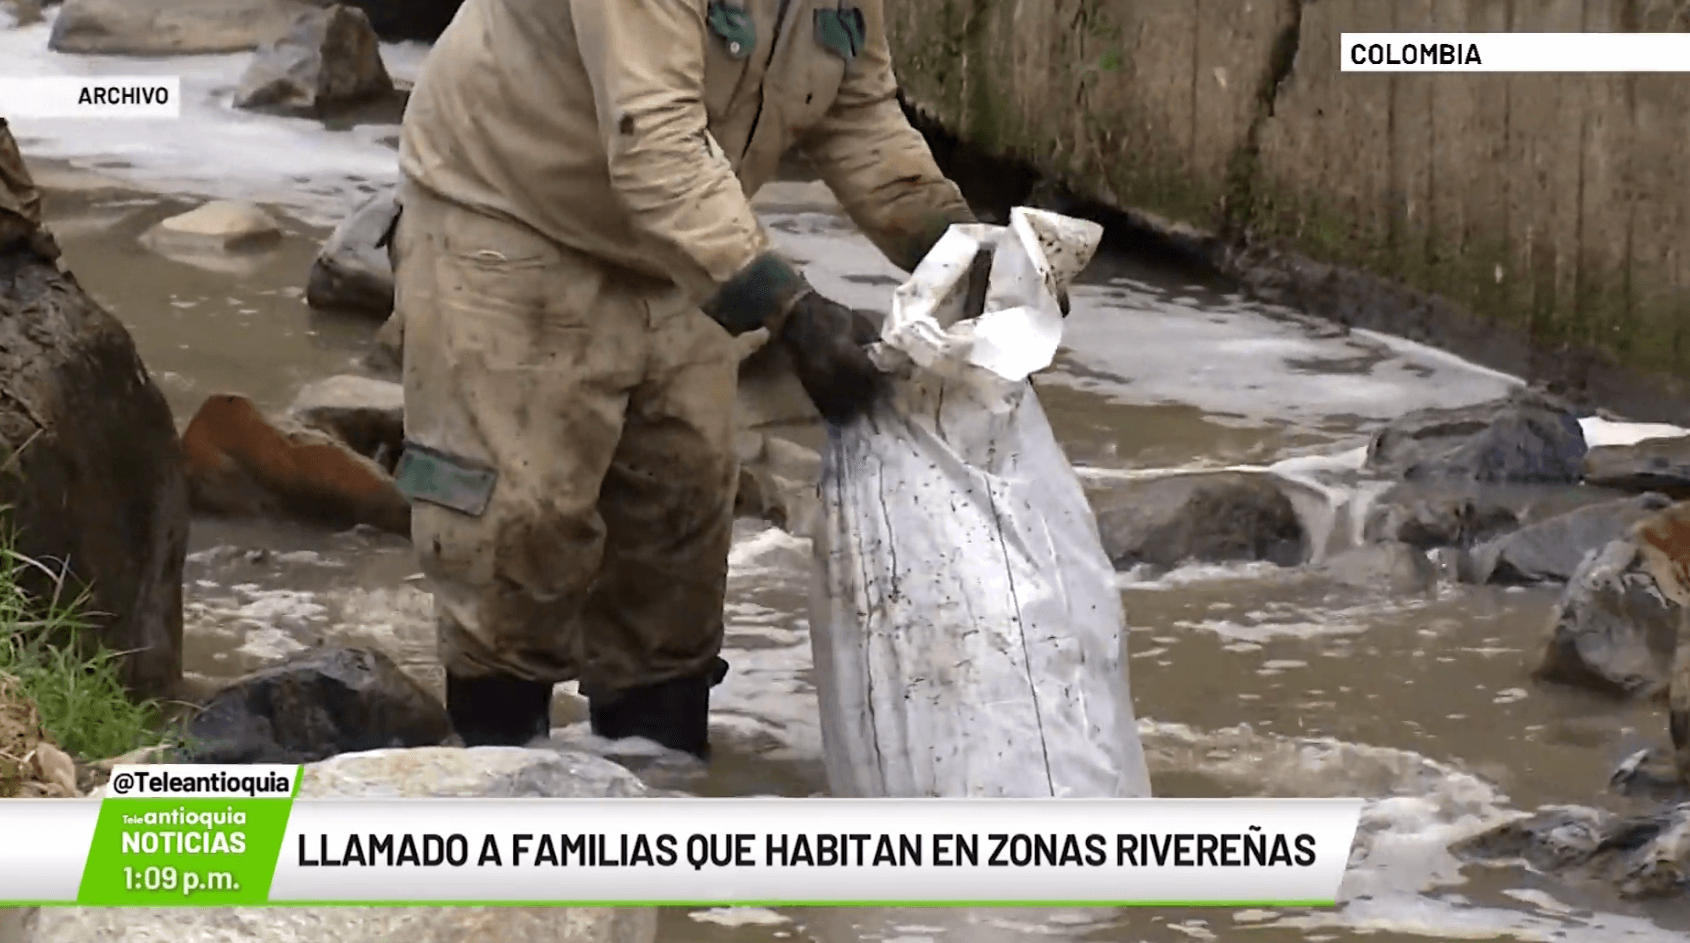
398, 620
1348, 460
1599, 431
1455, 920
740, 917
213, 150
1134, 344
1402, 876
1309, 468
1196, 573
1352, 620
754, 553
270, 645
1432, 355
284, 607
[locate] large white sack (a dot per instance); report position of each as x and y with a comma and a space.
966, 624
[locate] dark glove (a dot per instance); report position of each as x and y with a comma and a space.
824, 339
828, 345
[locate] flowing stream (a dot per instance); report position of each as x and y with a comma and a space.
1249, 681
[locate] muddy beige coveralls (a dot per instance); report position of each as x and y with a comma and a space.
577, 177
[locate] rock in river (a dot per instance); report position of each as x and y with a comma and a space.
218, 226
325, 702
1525, 438
489, 772
329, 60
1223, 517
1552, 550
19, 13
1640, 856
351, 273
1466, 514
244, 464
1613, 630
365, 413
93, 475
169, 27
1438, 514
1661, 465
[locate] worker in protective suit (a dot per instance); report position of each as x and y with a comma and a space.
575, 254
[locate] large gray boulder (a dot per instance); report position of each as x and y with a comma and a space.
351, 273
1661, 465
1438, 514
1223, 517
1613, 630
1525, 438
1430, 514
93, 474
486, 772
169, 27
1552, 550
329, 61
327, 701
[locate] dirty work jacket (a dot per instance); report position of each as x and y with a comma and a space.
587, 120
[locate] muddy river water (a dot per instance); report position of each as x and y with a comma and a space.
1248, 681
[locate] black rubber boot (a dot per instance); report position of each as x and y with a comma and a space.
673, 713
498, 710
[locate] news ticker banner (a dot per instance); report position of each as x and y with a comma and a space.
239, 836
159, 96
1514, 52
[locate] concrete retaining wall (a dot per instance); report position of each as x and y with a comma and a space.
1554, 205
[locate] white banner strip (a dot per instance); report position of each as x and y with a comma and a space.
45, 847
1514, 52
821, 851
91, 96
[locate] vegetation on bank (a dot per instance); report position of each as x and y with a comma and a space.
77, 685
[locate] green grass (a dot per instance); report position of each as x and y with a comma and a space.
76, 685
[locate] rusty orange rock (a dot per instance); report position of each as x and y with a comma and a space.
245, 463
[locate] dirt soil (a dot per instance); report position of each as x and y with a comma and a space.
31, 767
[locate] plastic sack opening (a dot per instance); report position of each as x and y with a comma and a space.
967, 630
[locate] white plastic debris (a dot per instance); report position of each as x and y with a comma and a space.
967, 627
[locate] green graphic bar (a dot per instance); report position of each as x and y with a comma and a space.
212, 851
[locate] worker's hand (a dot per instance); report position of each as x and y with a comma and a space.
828, 345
